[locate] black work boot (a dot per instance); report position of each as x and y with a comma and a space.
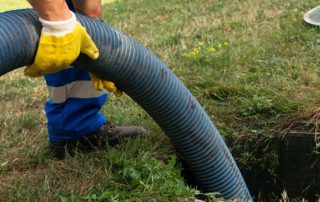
108, 134
59, 150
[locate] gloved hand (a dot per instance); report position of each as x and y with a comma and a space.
101, 84
60, 45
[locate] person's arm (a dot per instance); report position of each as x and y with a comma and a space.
56, 10
62, 38
51, 10
92, 8
60, 41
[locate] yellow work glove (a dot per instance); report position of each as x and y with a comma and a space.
101, 84
60, 45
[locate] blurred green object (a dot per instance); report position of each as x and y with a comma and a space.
313, 16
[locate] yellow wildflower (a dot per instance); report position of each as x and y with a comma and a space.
196, 51
212, 50
226, 43
219, 45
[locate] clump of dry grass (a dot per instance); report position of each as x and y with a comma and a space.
305, 122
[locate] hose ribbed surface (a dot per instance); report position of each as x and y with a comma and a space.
151, 84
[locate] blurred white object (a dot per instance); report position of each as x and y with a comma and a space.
313, 16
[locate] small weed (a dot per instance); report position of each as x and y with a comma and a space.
209, 55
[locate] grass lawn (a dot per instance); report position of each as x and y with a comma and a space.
252, 64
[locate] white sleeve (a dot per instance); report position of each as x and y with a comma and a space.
59, 28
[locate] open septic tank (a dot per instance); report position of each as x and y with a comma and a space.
296, 170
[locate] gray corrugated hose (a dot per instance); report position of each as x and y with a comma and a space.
149, 82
